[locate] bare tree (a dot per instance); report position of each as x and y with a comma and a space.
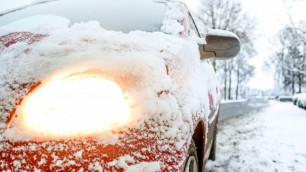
243, 70
228, 15
289, 60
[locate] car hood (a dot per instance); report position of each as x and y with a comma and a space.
168, 85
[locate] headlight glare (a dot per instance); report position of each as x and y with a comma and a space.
78, 105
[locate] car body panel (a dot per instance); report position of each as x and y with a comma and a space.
135, 145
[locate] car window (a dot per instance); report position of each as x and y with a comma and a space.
117, 15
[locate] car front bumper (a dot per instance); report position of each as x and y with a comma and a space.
87, 154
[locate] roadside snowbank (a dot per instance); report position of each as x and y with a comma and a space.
271, 140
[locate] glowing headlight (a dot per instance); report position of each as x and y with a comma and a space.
79, 105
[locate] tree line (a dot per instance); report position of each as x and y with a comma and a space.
229, 15
290, 58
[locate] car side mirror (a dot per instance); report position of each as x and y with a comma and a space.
220, 44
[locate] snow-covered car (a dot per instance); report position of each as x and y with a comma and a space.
295, 99
284, 98
300, 100
105, 85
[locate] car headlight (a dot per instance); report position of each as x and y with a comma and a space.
73, 106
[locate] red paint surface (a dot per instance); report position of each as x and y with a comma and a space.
93, 151
13, 38
143, 145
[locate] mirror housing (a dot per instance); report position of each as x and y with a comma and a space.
220, 44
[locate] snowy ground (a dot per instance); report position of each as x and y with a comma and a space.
273, 139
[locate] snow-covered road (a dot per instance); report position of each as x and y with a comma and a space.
273, 139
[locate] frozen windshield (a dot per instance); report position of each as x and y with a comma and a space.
117, 15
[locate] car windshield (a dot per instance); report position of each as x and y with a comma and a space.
117, 15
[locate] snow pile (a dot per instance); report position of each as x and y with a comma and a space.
302, 97
271, 140
144, 167
141, 167
128, 57
172, 16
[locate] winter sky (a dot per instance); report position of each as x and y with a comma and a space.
270, 16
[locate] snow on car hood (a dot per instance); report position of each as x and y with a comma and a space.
143, 59
165, 79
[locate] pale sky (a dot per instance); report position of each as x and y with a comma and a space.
270, 15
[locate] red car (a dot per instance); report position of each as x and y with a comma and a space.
105, 85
